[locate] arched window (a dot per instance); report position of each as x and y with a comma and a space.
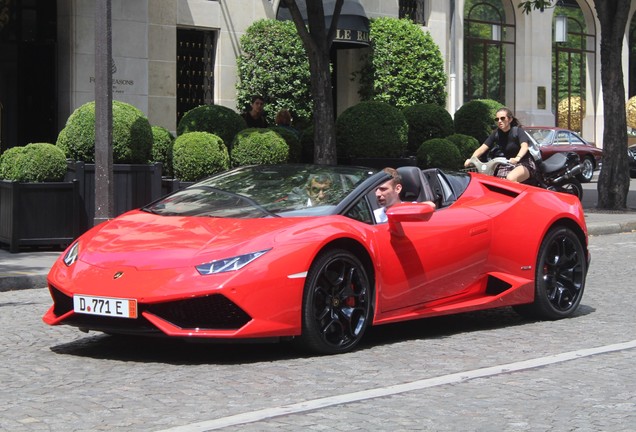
570, 55
489, 41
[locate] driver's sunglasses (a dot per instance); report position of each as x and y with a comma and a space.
501, 118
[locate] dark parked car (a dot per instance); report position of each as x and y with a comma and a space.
631, 153
556, 140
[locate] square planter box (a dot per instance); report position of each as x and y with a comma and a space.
38, 214
135, 185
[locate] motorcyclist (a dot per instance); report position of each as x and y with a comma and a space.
512, 142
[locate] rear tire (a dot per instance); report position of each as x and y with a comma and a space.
559, 276
587, 172
336, 303
573, 187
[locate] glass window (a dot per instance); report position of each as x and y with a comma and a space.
413, 10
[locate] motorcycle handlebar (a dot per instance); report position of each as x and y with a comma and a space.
490, 166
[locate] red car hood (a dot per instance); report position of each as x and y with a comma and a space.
146, 241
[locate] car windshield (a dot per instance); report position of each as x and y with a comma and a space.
265, 191
541, 136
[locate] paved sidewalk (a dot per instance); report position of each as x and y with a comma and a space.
28, 269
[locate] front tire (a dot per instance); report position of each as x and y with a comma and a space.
336, 303
559, 276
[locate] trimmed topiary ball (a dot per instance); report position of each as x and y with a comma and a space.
132, 134
215, 119
371, 129
196, 155
36, 162
293, 142
476, 118
427, 121
162, 143
255, 146
465, 144
439, 153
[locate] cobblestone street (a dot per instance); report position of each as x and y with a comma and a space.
61, 379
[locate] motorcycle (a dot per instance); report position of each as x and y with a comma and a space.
556, 173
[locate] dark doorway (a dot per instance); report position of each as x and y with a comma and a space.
28, 77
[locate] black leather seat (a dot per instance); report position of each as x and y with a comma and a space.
414, 186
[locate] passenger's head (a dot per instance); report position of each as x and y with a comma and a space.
388, 193
318, 187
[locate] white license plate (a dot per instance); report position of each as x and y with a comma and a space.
105, 306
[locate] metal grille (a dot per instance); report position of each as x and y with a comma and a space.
413, 10
195, 69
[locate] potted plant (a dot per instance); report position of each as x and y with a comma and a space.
136, 181
37, 208
197, 155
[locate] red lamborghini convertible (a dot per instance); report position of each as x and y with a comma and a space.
294, 252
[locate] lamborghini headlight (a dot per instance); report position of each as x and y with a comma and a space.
229, 264
71, 254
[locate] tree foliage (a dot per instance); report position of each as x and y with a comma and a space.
274, 64
404, 66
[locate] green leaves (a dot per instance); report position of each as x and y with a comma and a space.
405, 66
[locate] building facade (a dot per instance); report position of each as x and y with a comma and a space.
171, 55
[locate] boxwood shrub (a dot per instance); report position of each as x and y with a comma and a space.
256, 146
427, 121
476, 118
439, 153
293, 142
465, 144
132, 134
371, 129
196, 155
404, 66
162, 143
35, 162
215, 119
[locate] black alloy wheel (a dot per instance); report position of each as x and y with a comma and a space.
560, 276
336, 303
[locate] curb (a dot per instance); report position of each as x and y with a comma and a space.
610, 228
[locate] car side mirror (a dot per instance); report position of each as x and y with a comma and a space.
407, 212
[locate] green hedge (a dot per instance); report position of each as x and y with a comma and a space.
132, 134
371, 129
404, 67
476, 118
196, 155
273, 63
36, 162
465, 144
293, 142
256, 146
162, 143
427, 121
439, 153
215, 119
